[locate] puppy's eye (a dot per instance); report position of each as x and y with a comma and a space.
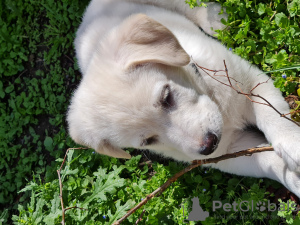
149, 141
166, 98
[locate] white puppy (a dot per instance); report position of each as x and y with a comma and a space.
141, 89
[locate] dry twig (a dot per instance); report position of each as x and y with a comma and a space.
248, 95
140, 218
195, 164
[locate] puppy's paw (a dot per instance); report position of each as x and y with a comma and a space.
289, 151
209, 18
292, 181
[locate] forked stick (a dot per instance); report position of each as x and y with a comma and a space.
248, 95
194, 164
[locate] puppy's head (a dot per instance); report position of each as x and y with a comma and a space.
135, 93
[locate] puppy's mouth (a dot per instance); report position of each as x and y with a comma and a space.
209, 144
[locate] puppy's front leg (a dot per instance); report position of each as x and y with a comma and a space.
284, 135
264, 164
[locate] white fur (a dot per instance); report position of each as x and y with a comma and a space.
129, 51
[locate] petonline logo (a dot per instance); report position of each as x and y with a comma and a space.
247, 206
198, 214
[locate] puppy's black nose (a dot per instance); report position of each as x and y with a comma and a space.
209, 144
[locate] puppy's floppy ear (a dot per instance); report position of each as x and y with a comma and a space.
106, 148
144, 40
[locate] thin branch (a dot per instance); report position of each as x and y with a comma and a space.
63, 209
194, 164
294, 112
273, 15
248, 95
69, 58
61, 198
140, 218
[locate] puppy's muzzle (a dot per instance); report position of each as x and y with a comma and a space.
209, 144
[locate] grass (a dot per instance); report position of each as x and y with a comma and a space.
38, 73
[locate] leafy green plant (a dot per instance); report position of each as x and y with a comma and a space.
108, 188
267, 34
33, 92
38, 73
196, 3
93, 191
287, 213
